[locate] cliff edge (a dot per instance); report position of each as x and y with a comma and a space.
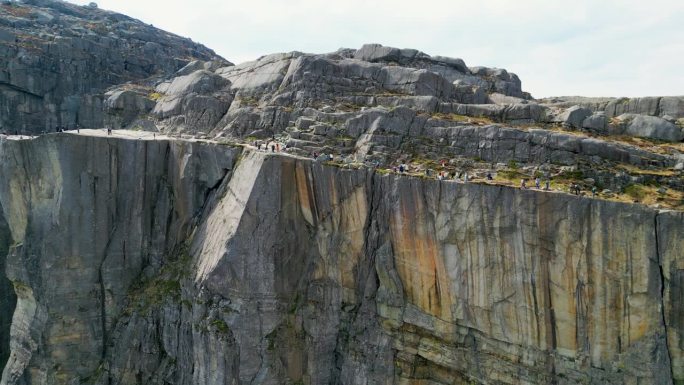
184, 262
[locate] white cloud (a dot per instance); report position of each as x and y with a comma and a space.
588, 47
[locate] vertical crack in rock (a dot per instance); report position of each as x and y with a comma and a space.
546, 247
662, 295
8, 299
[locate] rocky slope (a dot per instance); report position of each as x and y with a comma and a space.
176, 262
69, 66
392, 106
57, 60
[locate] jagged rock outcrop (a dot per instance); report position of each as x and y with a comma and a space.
274, 90
58, 59
192, 263
194, 101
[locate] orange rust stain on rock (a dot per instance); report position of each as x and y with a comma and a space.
353, 213
418, 260
303, 192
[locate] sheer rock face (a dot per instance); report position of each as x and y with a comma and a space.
57, 60
7, 296
94, 215
191, 263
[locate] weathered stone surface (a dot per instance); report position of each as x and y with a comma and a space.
573, 116
131, 204
652, 106
670, 243
199, 65
596, 122
63, 57
273, 269
502, 81
649, 127
176, 263
498, 98
643, 106
379, 53
7, 296
123, 107
401, 130
672, 106
194, 102
262, 75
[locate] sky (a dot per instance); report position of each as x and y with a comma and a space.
557, 47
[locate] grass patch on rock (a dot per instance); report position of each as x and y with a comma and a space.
164, 286
479, 120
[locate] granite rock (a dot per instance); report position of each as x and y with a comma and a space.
651, 127
208, 264
57, 60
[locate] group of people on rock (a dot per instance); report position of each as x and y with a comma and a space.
464, 177
401, 168
272, 146
576, 189
322, 157
537, 184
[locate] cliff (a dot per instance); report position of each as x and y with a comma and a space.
182, 262
173, 252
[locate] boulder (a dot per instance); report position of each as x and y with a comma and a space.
198, 82
377, 52
195, 101
524, 113
595, 122
651, 127
261, 75
420, 82
455, 63
124, 106
380, 53
573, 116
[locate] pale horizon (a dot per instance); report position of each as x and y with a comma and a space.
611, 49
